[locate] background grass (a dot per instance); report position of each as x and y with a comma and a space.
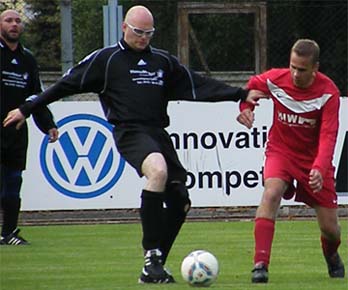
106, 257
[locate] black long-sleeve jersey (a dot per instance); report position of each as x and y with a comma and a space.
19, 79
135, 87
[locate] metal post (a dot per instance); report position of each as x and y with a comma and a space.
106, 25
112, 21
119, 22
113, 16
66, 35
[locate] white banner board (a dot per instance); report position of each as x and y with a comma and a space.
83, 170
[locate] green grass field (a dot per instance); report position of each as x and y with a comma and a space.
106, 257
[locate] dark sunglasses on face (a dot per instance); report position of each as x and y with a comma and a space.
140, 32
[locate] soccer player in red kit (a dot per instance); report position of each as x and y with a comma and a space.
300, 148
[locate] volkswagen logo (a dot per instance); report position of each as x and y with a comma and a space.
84, 162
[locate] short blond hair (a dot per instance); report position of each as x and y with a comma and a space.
307, 48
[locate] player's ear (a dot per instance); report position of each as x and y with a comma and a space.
124, 26
316, 66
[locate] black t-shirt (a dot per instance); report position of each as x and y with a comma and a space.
19, 78
135, 86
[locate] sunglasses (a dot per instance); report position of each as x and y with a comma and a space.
140, 32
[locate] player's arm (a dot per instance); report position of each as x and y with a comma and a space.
257, 90
328, 134
87, 76
315, 180
44, 120
246, 117
185, 84
16, 117
43, 117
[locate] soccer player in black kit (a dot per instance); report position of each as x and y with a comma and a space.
135, 81
19, 79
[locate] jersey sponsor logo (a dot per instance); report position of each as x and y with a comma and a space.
144, 77
296, 106
296, 120
84, 162
12, 79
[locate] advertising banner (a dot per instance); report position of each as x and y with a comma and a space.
224, 160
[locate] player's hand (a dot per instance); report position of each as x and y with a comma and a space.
53, 135
254, 96
246, 118
315, 180
14, 117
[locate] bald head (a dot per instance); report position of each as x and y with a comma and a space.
9, 12
138, 15
138, 27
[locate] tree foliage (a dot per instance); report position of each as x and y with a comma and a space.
87, 26
42, 32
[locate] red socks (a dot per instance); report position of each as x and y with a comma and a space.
263, 234
329, 247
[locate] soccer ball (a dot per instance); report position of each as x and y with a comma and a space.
200, 268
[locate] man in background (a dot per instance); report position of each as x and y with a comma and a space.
19, 79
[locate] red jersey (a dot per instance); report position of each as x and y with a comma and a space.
305, 121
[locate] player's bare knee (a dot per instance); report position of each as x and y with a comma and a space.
271, 199
156, 179
154, 168
158, 175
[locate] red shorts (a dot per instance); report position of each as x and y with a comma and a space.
279, 166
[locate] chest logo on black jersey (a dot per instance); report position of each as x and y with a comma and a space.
14, 61
142, 62
145, 77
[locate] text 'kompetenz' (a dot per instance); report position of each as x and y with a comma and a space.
227, 180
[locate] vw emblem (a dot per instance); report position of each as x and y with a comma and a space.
84, 162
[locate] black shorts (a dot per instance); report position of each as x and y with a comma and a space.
136, 142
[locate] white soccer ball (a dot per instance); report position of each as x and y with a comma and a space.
200, 268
